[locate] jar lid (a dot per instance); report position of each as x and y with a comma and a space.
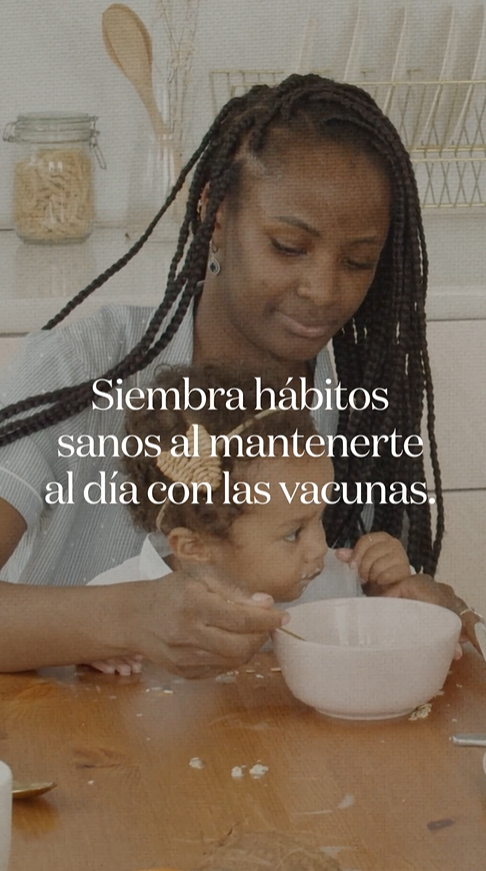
51, 127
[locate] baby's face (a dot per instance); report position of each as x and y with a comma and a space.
279, 547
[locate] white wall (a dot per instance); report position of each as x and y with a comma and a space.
52, 57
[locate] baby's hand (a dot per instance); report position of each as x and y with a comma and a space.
123, 665
377, 558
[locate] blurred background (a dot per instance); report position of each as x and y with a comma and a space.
53, 58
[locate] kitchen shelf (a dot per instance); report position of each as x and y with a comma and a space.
440, 122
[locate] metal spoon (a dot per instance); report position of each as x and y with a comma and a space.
289, 632
30, 790
466, 740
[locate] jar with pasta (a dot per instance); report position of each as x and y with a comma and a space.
53, 178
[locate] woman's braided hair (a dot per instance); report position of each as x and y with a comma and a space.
214, 517
384, 344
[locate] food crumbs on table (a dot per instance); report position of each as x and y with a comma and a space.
226, 677
91, 782
440, 824
112, 697
421, 712
276, 668
459, 685
195, 762
332, 852
347, 801
168, 692
250, 670
261, 676
258, 770
139, 715
237, 772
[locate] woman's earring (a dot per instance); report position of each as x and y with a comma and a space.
214, 265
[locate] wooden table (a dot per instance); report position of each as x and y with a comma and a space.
394, 796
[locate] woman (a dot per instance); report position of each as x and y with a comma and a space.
304, 200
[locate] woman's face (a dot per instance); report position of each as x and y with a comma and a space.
298, 247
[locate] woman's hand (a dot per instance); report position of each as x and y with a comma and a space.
192, 625
377, 558
196, 625
425, 589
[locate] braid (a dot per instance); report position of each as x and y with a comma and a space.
70, 400
383, 344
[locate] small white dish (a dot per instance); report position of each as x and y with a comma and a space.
367, 658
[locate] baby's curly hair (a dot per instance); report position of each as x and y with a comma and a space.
216, 518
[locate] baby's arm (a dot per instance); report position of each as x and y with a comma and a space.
377, 558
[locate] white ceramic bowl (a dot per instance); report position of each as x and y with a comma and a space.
367, 658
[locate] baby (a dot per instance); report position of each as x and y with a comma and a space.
250, 524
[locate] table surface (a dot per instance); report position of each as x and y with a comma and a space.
381, 796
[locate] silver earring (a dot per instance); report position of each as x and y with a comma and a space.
214, 265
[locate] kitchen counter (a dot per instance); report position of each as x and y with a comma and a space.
38, 280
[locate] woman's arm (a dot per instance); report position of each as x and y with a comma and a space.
12, 526
191, 626
185, 625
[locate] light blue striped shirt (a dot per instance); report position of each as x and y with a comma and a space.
71, 544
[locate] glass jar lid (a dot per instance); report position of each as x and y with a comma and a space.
47, 127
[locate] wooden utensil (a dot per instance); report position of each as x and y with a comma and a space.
129, 46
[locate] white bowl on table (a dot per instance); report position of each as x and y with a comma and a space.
367, 658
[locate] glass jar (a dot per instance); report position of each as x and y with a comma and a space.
53, 191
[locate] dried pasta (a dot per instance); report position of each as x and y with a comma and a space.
53, 196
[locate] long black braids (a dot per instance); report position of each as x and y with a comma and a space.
384, 344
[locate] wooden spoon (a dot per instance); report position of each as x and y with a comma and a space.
129, 45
